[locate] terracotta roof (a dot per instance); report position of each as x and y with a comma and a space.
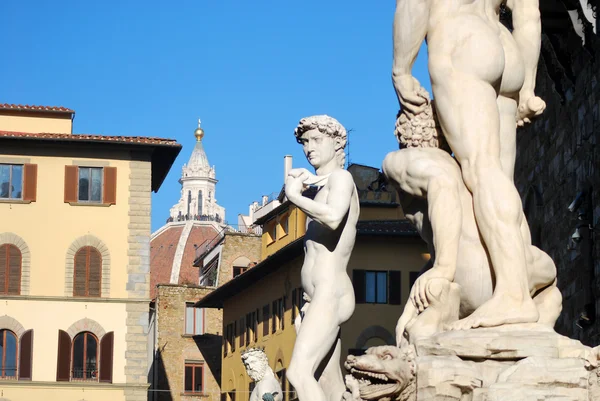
26, 107
162, 254
90, 138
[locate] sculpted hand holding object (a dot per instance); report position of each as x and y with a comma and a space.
328, 243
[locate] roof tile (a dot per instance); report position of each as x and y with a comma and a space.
90, 137
27, 107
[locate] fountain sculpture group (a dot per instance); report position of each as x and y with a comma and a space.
478, 325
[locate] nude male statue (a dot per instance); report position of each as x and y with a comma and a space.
483, 79
328, 243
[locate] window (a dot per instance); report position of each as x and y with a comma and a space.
233, 334
249, 327
194, 320
297, 302
10, 269
266, 322
85, 357
376, 291
91, 185
229, 339
271, 230
194, 377
284, 225
87, 274
377, 287
281, 377
8, 349
242, 333
278, 309
11, 181
237, 270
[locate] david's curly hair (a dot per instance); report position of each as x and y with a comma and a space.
328, 126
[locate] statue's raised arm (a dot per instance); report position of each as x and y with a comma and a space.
410, 28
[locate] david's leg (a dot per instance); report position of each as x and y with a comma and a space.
331, 380
316, 336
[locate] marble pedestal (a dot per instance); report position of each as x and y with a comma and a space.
526, 362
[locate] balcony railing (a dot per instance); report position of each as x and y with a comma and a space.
209, 244
195, 217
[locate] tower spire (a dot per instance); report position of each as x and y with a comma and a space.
199, 133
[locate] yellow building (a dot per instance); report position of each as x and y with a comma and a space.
259, 306
74, 257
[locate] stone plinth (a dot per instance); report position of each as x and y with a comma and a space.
515, 362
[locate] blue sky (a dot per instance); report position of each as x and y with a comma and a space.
249, 69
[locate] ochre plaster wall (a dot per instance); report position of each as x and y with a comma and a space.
49, 226
26, 122
46, 317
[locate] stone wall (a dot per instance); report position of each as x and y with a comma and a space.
138, 282
174, 347
236, 245
556, 160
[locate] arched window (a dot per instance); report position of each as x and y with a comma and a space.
199, 203
188, 203
10, 269
85, 357
87, 274
8, 352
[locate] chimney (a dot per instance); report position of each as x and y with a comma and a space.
287, 165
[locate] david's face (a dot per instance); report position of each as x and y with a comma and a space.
319, 148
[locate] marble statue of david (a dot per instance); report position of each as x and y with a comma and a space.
328, 243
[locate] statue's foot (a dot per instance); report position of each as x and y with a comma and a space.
500, 309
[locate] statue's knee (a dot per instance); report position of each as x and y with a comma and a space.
436, 287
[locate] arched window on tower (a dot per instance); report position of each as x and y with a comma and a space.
199, 203
188, 204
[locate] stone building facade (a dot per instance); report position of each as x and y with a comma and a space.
191, 255
75, 257
557, 167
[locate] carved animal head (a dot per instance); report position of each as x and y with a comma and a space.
256, 362
383, 373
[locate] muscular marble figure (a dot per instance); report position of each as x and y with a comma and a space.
482, 79
328, 243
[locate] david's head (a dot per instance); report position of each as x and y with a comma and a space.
323, 140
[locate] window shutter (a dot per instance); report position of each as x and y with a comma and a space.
14, 270
283, 312
80, 273
63, 365
394, 288
95, 272
106, 357
71, 177
110, 186
30, 182
358, 280
3, 267
265, 320
25, 355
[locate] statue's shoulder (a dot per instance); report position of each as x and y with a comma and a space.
341, 176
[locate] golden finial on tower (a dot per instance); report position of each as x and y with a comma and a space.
199, 133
